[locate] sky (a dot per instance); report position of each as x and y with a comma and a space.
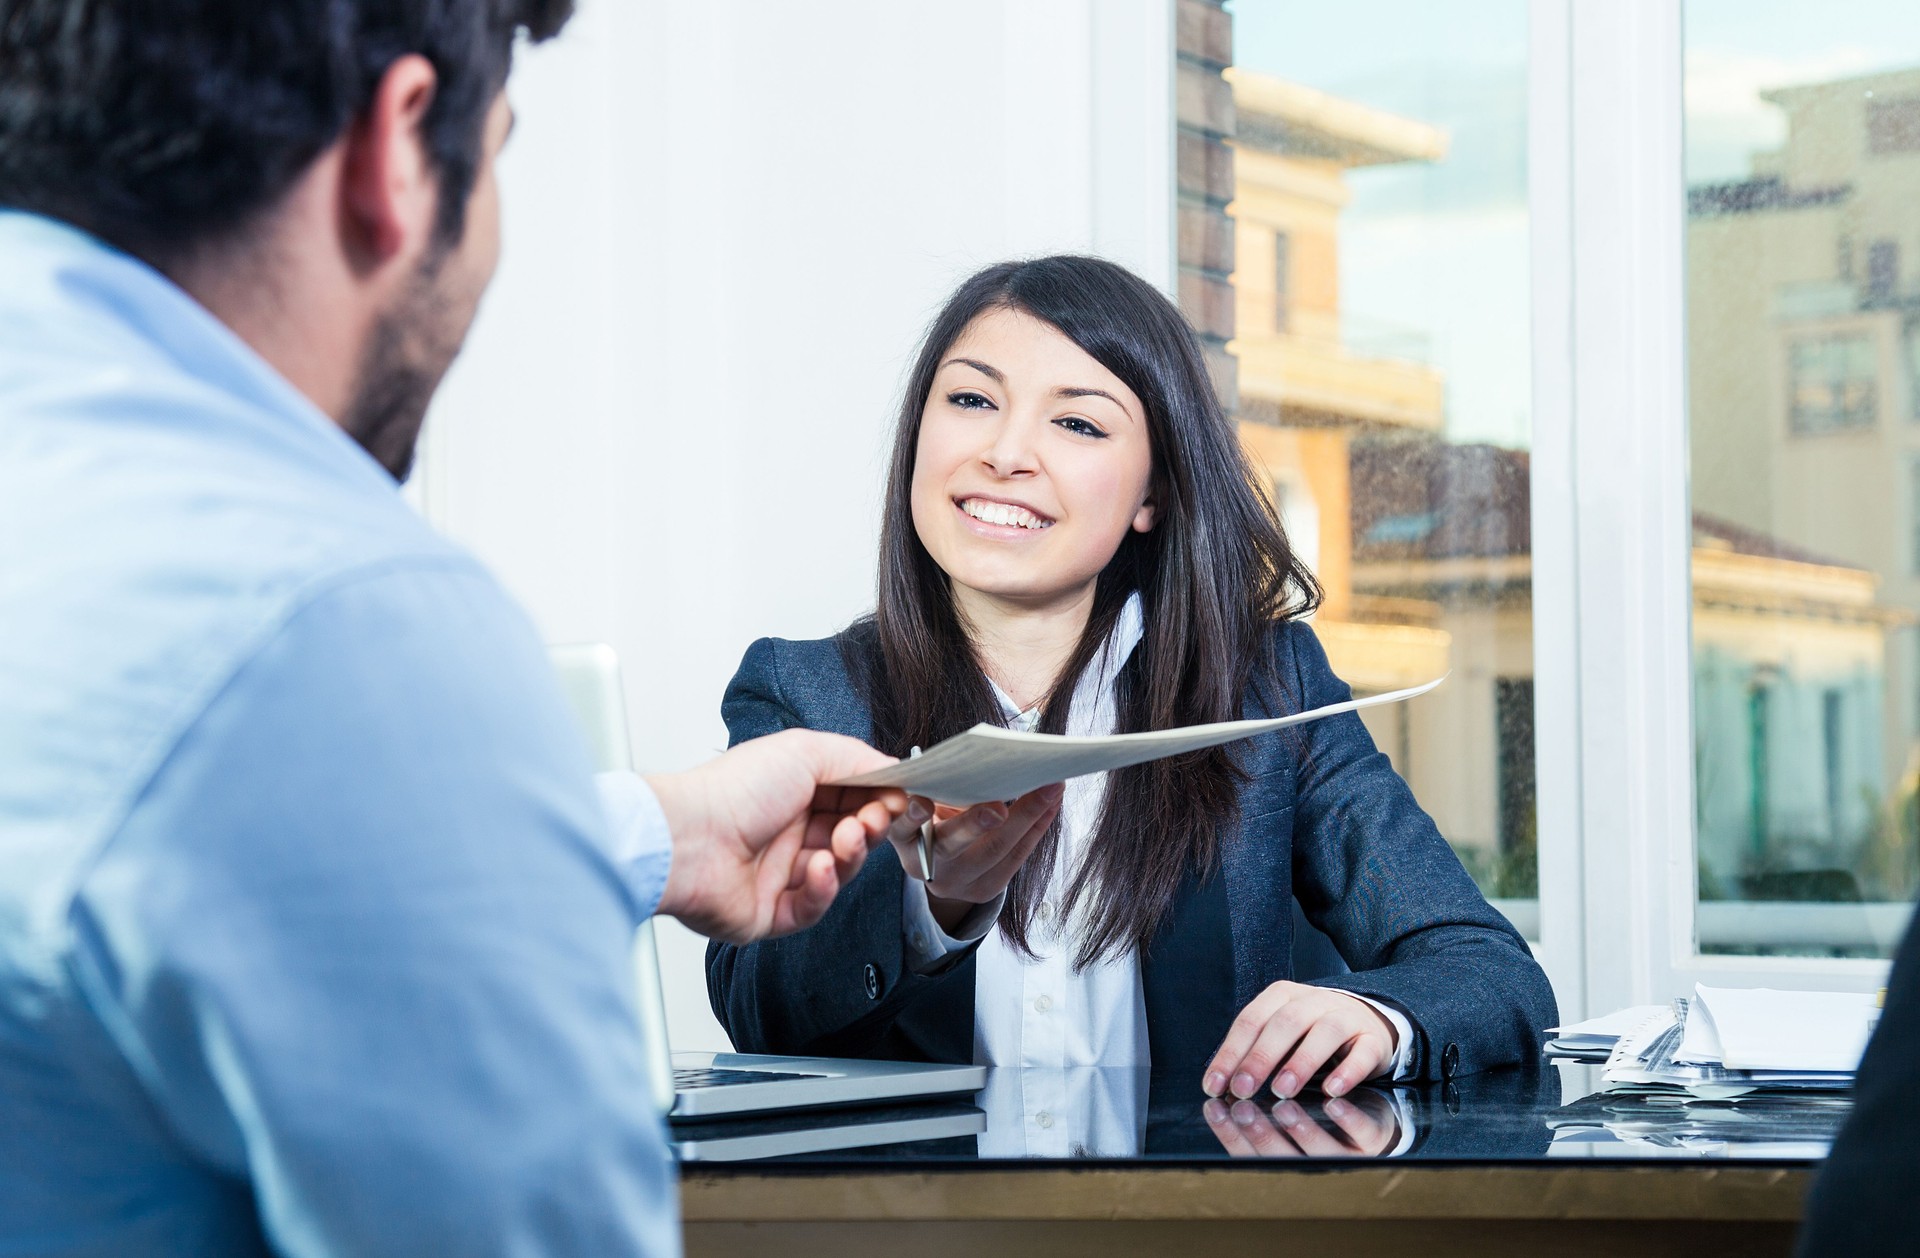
1442, 248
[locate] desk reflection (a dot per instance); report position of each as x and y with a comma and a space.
1366, 1124
1520, 1114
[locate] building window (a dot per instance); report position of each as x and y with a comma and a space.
1913, 515
1910, 348
1883, 271
1282, 286
1519, 817
1833, 384
1893, 125
1830, 727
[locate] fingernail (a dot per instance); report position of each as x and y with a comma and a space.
1336, 1085
1286, 1085
1243, 1114
1215, 1111
1054, 792
918, 811
1216, 1083
1287, 1114
990, 819
1244, 1085
1336, 1108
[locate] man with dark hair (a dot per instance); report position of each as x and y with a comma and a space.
313, 932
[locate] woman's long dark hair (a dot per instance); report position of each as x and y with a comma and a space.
1214, 576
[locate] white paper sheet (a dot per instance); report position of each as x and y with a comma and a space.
1799, 1032
988, 762
1608, 1026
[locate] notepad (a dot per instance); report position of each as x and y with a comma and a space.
988, 762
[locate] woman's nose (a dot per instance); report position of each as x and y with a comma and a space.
1011, 451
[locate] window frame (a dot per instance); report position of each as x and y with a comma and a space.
1611, 520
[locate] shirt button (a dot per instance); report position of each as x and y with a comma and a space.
1043, 1004
872, 977
1044, 1119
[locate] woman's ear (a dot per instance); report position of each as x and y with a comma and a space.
1146, 517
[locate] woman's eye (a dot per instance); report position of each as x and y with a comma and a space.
968, 401
1082, 427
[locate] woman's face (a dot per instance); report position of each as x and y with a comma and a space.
1032, 464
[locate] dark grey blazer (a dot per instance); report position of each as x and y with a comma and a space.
1324, 819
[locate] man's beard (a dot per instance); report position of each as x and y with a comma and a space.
407, 354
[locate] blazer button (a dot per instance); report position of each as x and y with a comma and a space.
1449, 1061
873, 983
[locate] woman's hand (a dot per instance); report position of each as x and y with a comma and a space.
1363, 1127
1296, 1029
976, 852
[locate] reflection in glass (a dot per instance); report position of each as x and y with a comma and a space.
1803, 171
1365, 1124
1381, 343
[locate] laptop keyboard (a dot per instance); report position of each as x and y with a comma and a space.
687, 1080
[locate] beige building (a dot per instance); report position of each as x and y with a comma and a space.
1309, 381
1425, 550
1803, 343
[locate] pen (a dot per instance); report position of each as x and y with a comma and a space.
925, 844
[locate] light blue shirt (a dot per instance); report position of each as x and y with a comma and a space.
311, 938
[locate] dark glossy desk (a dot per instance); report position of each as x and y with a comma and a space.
1520, 1161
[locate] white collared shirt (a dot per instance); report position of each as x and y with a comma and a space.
1035, 1011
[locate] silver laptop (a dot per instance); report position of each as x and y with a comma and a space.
707, 1085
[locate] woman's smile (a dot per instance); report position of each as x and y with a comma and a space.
1000, 519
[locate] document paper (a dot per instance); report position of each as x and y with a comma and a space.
988, 762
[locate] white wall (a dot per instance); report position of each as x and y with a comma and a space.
726, 226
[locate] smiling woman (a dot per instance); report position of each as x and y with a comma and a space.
1073, 541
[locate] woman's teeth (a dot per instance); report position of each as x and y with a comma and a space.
1003, 513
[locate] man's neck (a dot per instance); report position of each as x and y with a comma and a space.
1024, 646
290, 305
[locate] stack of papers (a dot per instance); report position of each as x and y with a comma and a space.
1594, 1039
1725, 1042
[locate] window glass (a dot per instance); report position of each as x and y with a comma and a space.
1381, 350
1803, 173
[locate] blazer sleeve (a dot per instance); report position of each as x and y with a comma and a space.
1372, 871
837, 988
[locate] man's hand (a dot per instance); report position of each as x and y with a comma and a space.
1296, 1029
976, 853
760, 845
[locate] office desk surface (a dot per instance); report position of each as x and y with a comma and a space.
1111, 1163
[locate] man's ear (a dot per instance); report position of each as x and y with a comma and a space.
389, 193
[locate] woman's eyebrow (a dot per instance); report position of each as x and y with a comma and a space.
991, 372
1077, 391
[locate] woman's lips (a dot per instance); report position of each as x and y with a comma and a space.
993, 528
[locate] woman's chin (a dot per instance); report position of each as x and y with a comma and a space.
1023, 590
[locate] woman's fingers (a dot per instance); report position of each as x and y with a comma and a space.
1008, 848
1363, 1130
1366, 1053
977, 853
1327, 1033
1225, 1130
1246, 1028
905, 828
1276, 1040
1311, 1138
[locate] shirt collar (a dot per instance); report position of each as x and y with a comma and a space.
1099, 676
74, 290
